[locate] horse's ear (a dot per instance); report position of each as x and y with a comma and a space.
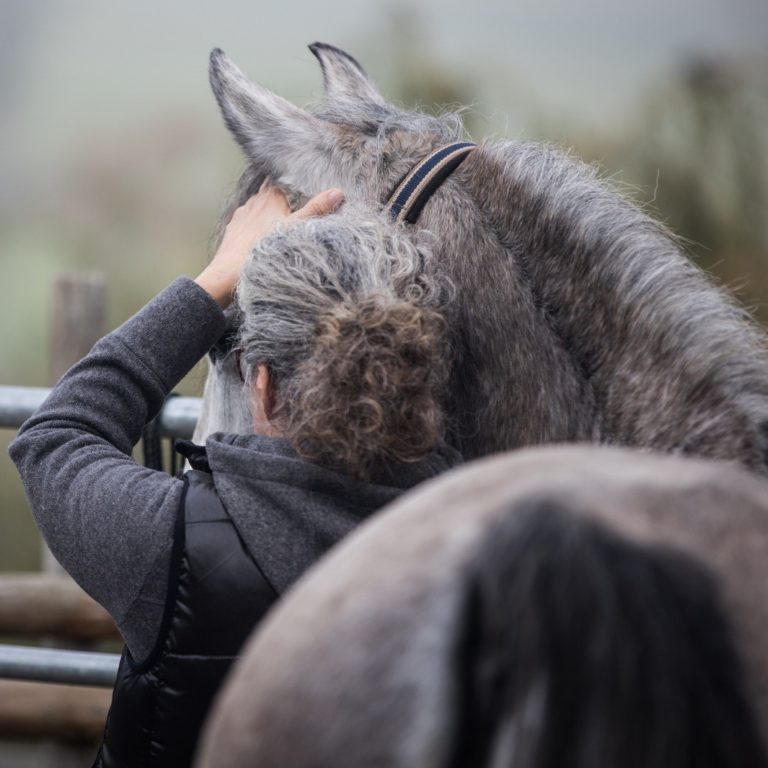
344, 78
256, 116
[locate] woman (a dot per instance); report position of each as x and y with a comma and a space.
342, 349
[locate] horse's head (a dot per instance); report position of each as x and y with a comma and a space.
576, 316
354, 139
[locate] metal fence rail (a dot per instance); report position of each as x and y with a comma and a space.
54, 666
177, 418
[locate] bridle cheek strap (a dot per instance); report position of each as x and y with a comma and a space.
412, 193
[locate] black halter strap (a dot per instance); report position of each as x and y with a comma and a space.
412, 193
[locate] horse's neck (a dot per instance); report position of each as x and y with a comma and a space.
514, 382
671, 363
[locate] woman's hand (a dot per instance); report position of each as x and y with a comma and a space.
253, 220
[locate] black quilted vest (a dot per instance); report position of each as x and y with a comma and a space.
216, 594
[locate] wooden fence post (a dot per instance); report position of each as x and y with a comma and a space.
78, 319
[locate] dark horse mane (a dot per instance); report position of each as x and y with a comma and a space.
616, 654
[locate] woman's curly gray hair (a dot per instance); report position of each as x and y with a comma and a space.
346, 313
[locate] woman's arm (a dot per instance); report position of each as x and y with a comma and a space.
107, 519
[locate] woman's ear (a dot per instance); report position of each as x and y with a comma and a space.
264, 400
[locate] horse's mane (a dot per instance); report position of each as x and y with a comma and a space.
672, 362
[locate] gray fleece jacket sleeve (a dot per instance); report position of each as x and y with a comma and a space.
108, 520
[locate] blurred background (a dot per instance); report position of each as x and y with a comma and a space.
113, 156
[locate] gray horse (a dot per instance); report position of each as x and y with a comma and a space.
587, 607
578, 318
580, 606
